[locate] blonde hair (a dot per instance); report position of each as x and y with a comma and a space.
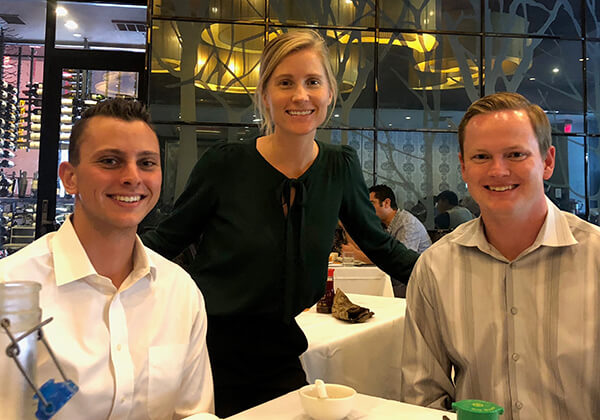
275, 51
505, 101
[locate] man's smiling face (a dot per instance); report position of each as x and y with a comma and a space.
502, 164
117, 180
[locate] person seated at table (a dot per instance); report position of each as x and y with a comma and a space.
509, 301
129, 326
399, 223
265, 212
450, 214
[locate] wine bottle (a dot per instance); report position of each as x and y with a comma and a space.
7, 154
33, 92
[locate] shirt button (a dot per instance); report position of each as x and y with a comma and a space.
118, 347
519, 405
514, 310
515, 356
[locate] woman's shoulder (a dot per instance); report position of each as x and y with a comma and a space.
227, 151
338, 152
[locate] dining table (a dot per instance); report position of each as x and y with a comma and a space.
365, 407
362, 279
365, 356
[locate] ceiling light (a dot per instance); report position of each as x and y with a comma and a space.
71, 24
77, 35
408, 117
336, 115
555, 70
61, 11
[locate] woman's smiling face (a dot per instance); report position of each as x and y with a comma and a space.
298, 94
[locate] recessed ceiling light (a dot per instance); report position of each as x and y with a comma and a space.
71, 24
555, 70
336, 115
408, 117
61, 11
77, 35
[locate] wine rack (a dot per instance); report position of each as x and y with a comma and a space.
21, 93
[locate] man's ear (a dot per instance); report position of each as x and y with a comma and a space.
68, 176
549, 162
387, 203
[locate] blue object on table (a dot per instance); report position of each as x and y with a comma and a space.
56, 395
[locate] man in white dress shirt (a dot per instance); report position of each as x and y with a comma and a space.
129, 326
510, 301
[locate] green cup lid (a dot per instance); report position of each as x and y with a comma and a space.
477, 410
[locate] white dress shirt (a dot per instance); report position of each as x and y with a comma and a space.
524, 334
138, 352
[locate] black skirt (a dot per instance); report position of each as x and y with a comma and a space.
254, 359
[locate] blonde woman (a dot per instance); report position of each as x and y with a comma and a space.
264, 214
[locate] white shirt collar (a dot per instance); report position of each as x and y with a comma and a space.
555, 232
71, 262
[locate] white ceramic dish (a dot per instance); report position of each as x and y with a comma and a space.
336, 407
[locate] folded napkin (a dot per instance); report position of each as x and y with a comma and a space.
347, 311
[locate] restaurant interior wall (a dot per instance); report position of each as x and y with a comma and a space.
407, 71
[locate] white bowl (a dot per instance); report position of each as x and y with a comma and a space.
336, 407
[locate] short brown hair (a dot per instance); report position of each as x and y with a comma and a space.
275, 51
123, 109
504, 101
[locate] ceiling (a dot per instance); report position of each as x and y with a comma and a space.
101, 25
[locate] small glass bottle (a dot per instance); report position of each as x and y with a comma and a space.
324, 305
20, 311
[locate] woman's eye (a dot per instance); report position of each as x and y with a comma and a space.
314, 82
284, 83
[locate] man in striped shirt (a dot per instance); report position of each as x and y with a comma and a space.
507, 307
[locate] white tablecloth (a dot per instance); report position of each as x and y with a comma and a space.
364, 280
364, 356
288, 407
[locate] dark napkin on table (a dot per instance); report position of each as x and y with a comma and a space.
347, 311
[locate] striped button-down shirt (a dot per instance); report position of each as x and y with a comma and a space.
524, 334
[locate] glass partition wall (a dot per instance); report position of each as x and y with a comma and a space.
407, 71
